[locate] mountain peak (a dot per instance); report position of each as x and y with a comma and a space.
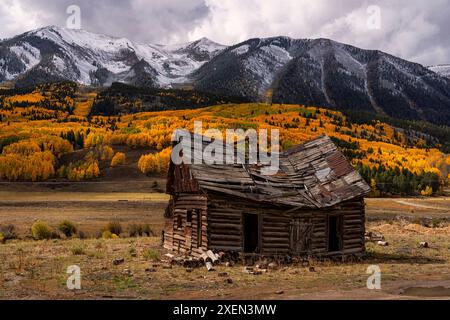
318, 72
53, 52
205, 40
441, 69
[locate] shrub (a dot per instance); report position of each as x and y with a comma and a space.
118, 159
106, 234
135, 230
138, 230
54, 235
146, 229
68, 228
8, 232
77, 250
114, 227
151, 254
81, 235
2, 238
427, 192
132, 251
41, 230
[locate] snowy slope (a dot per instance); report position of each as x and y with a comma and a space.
443, 69
91, 58
318, 72
327, 73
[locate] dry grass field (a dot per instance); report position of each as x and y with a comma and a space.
32, 269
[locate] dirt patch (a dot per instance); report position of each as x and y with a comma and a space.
409, 229
428, 292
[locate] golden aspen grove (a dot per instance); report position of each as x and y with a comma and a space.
49, 133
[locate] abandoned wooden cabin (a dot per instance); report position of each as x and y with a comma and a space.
313, 206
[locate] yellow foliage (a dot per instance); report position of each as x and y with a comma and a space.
378, 143
427, 192
106, 235
35, 167
118, 159
80, 171
155, 163
30, 98
57, 145
105, 153
24, 148
96, 139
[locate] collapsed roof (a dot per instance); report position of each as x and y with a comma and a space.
314, 174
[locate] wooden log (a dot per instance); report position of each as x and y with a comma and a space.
351, 241
282, 235
225, 226
226, 247
276, 245
204, 256
214, 244
212, 256
225, 237
209, 266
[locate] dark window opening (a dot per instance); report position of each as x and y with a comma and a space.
334, 234
251, 233
189, 217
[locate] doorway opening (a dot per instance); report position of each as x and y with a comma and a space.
251, 233
334, 233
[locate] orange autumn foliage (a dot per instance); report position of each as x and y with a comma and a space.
377, 143
155, 163
118, 159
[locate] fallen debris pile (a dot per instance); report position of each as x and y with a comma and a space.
424, 244
373, 237
254, 264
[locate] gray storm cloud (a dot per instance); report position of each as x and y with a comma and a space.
412, 29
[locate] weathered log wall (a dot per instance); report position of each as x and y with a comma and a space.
181, 235
302, 232
180, 180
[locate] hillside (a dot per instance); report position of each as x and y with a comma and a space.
318, 72
442, 69
125, 99
42, 138
327, 73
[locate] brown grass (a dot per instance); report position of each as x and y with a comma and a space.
37, 269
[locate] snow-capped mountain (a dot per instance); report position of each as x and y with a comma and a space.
317, 72
53, 53
442, 69
327, 73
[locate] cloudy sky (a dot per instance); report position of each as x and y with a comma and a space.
416, 30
